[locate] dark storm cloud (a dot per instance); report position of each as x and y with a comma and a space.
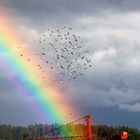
71, 6
60, 9
57, 6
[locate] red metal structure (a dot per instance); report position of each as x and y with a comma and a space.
88, 128
86, 136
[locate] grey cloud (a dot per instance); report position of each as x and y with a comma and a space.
5, 85
131, 107
106, 87
56, 6
65, 11
78, 6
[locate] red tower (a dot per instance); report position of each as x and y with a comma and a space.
88, 128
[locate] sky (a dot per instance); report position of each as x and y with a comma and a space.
109, 91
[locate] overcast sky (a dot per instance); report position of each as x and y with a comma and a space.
110, 29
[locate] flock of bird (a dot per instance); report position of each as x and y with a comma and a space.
63, 53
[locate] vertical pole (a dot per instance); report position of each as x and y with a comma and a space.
88, 128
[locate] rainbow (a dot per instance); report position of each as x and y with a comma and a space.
48, 101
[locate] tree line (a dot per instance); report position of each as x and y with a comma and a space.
99, 132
